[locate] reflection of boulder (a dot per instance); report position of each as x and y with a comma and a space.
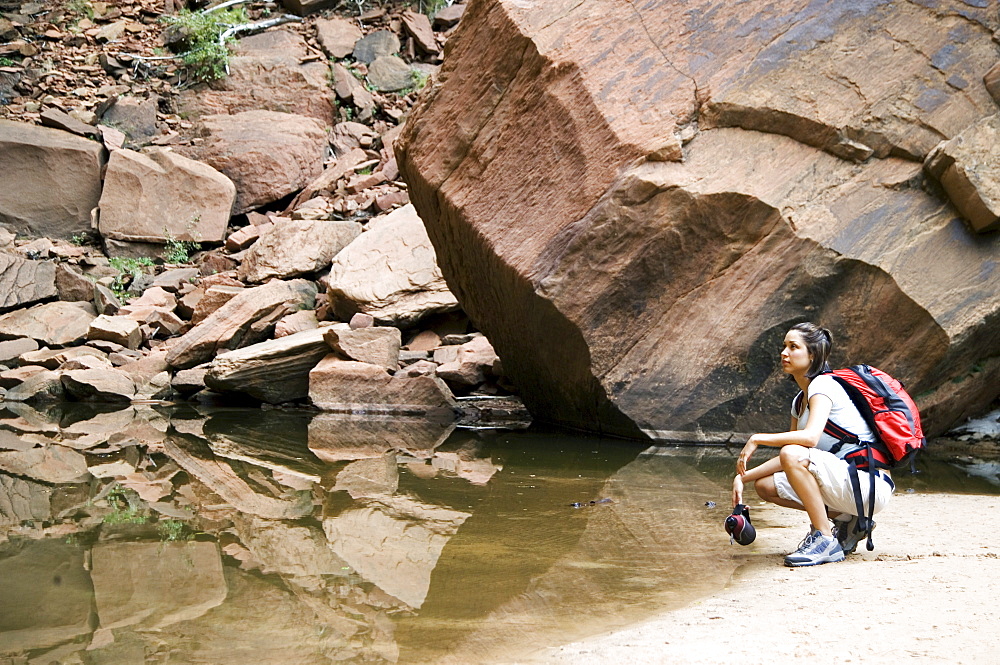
264, 624
221, 476
275, 440
84, 426
367, 478
335, 437
289, 549
23, 500
46, 595
156, 584
394, 543
476, 470
51, 464
653, 548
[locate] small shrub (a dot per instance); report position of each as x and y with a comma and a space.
7, 62
420, 79
125, 507
170, 530
179, 251
128, 270
205, 56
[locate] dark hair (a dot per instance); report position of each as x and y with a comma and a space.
819, 343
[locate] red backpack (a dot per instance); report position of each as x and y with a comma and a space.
889, 411
892, 417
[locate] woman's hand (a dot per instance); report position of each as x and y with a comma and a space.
737, 490
745, 455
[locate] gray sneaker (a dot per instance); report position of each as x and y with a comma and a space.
846, 535
814, 550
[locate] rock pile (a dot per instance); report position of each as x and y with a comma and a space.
261, 242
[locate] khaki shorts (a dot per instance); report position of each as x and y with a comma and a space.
834, 480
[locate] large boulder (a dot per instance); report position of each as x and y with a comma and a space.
50, 180
267, 154
269, 71
296, 247
159, 195
390, 272
52, 324
696, 186
23, 282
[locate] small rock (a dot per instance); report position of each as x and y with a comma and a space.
337, 36
389, 73
118, 329
362, 320
375, 45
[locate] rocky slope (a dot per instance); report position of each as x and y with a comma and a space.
162, 238
672, 185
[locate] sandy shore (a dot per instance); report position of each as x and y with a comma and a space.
929, 593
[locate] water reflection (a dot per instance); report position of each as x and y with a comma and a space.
232, 536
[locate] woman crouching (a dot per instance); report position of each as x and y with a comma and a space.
810, 473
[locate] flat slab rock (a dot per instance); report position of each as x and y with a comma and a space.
23, 281
274, 371
348, 386
55, 324
296, 247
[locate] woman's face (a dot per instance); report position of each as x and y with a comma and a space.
795, 357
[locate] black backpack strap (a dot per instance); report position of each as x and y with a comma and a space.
866, 522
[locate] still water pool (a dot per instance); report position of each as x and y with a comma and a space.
175, 535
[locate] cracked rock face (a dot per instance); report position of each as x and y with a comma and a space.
635, 200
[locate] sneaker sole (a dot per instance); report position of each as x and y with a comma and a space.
803, 564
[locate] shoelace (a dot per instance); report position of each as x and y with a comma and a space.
807, 541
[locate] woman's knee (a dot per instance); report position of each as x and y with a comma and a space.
793, 455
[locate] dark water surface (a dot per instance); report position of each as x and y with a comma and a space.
176, 535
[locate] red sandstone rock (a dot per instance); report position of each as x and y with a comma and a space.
229, 327
347, 386
267, 155
266, 73
158, 194
296, 247
51, 180
634, 287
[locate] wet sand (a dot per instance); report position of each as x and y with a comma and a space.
928, 594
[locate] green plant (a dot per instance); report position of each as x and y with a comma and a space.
126, 507
420, 79
179, 251
7, 62
128, 270
205, 49
81, 239
432, 7
170, 530
81, 8
368, 170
